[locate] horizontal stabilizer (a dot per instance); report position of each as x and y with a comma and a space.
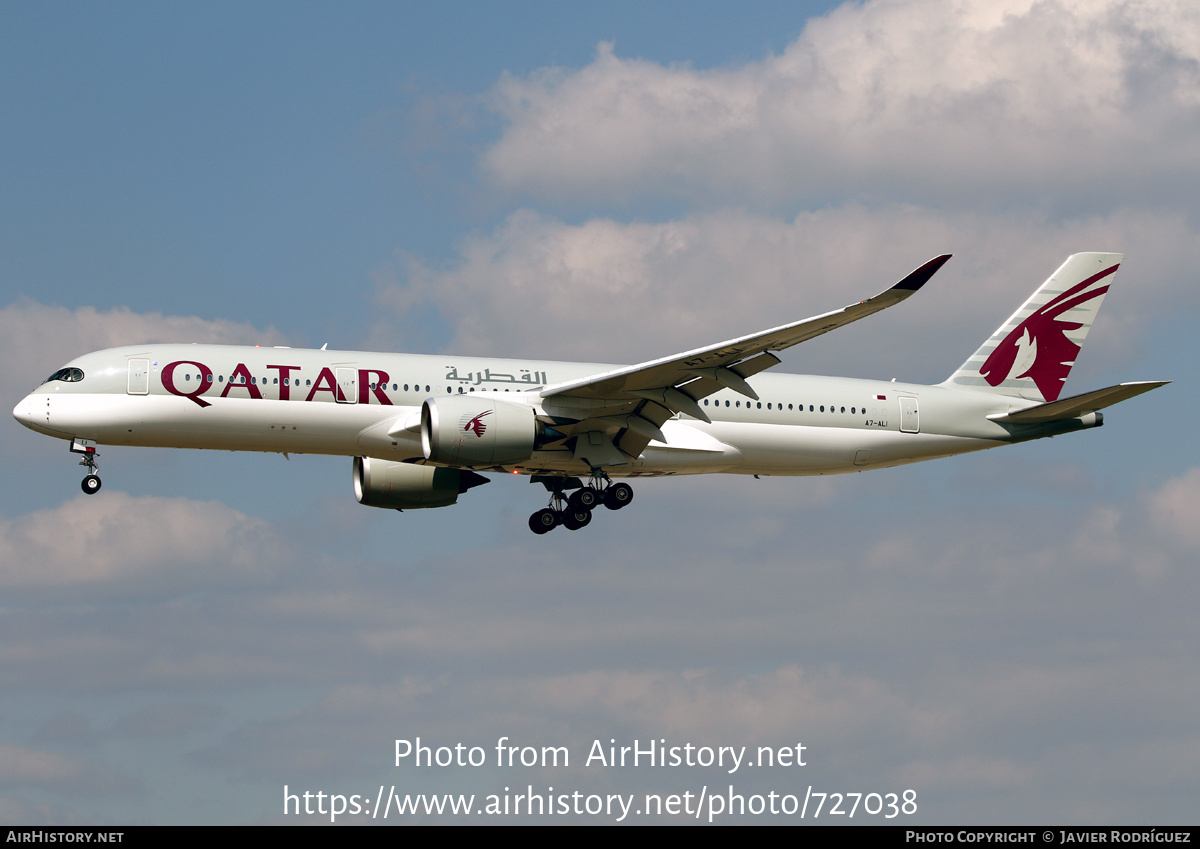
1079, 405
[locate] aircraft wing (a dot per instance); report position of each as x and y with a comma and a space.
680, 368
653, 391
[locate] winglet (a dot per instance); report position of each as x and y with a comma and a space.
921, 276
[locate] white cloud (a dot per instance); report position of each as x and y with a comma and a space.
133, 546
168, 720
35, 339
770, 707
1175, 508
19, 765
16, 810
621, 292
975, 772
917, 99
959, 661
24, 767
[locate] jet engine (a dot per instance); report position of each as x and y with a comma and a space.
474, 430
404, 486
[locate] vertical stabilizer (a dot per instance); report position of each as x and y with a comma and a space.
1032, 353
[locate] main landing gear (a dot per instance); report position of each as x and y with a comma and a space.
86, 447
575, 511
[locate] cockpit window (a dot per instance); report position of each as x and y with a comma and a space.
70, 375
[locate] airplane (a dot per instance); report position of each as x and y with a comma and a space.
422, 428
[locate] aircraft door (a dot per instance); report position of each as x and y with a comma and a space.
347, 379
139, 378
910, 421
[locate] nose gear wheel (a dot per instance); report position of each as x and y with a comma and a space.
91, 482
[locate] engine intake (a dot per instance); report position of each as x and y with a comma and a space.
472, 430
404, 486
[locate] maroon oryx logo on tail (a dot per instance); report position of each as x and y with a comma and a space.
475, 425
1038, 347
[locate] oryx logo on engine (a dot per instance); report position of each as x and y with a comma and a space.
473, 424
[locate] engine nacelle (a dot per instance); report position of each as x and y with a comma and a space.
474, 430
404, 486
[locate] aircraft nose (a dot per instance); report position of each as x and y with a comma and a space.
26, 411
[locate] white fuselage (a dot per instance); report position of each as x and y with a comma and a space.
355, 403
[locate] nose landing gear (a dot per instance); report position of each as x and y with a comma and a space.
575, 511
87, 447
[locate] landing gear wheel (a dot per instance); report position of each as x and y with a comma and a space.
576, 519
90, 485
543, 521
583, 499
617, 496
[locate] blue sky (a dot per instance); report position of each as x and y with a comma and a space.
1011, 634
269, 149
